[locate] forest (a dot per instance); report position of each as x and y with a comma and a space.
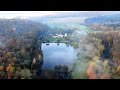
76, 50
98, 54
20, 56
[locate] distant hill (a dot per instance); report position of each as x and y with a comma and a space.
103, 19
20, 25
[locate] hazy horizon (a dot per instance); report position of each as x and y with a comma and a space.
25, 14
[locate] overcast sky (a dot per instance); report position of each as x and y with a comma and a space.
12, 14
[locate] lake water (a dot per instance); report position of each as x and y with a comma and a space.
54, 54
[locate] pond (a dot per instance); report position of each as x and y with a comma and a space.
54, 54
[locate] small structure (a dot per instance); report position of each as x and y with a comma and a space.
60, 35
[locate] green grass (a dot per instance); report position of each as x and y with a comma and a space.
79, 71
75, 45
54, 39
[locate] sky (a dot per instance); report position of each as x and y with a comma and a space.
12, 14
24, 14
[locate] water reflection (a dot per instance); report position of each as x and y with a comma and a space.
54, 54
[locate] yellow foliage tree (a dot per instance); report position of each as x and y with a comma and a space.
26, 73
10, 69
14, 59
105, 64
9, 54
106, 70
23, 52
